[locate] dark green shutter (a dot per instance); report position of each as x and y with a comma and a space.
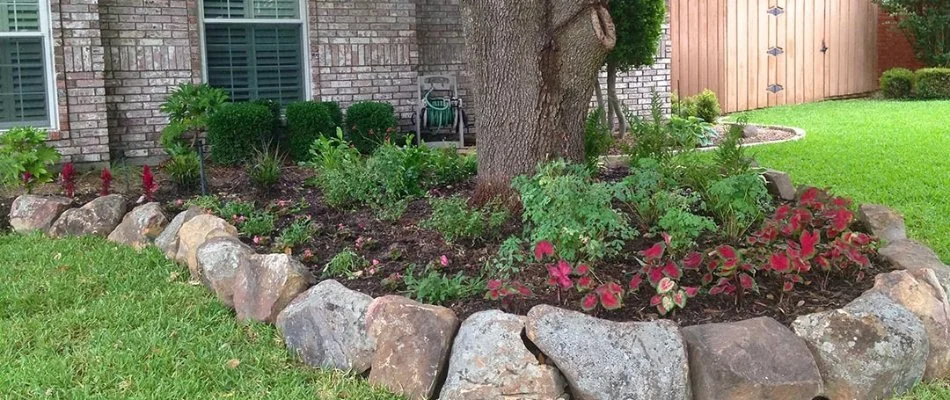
255, 61
22, 83
19, 16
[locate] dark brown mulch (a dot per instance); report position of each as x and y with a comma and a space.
398, 245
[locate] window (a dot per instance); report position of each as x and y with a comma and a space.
253, 49
24, 66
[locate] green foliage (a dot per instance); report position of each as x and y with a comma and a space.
433, 287
730, 155
25, 158
344, 264
266, 167
658, 140
183, 169
234, 209
340, 172
897, 83
336, 113
678, 220
637, 190
509, 259
684, 107
597, 138
738, 202
237, 129
933, 83
927, 23
189, 108
297, 233
452, 217
369, 124
173, 141
562, 204
691, 131
639, 26
258, 223
707, 106
307, 121
206, 202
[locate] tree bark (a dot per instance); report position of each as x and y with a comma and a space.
599, 95
615, 106
534, 65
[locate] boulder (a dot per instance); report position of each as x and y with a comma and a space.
98, 217
912, 256
141, 226
884, 223
219, 260
413, 342
194, 233
612, 360
267, 285
750, 360
749, 131
491, 361
326, 327
928, 301
779, 185
873, 348
36, 213
167, 241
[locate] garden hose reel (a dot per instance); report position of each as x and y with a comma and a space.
441, 120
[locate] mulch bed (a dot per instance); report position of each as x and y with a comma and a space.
403, 243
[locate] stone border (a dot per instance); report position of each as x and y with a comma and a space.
879, 345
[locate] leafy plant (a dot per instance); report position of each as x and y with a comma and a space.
67, 179
258, 223
105, 179
684, 107
933, 83
707, 106
25, 158
149, 186
336, 114
297, 233
730, 154
897, 83
341, 172
691, 131
597, 138
639, 188
369, 124
679, 222
189, 108
235, 209
506, 291
663, 273
561, 202
307, 121
927, 25
650, 136
563, 276
454, 220
433, 287
344, 264
266, 167
237, 129
738, 202
183, 169
509, 260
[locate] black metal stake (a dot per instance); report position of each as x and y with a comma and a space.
201, 167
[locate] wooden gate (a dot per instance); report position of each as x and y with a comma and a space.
761, 53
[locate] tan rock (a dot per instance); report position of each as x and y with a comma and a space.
30, 213
219, 261
168, 240
267, 284
196, 232
140, 226
779, 184
98, 217
912, 256
884, 223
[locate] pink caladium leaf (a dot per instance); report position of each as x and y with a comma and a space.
582, 270
746, 281
707, 279
809, 197
667, 238
543, 249
727, 252
782, 211
693, 260
778, 262
672, 270
609, 299
494, 284
842, 219
788, 287
809, 241
585, 283
691, 291
589, 302
635, 282
665, 286
662, 310
560, 275
667, 303
679, 298
654, 275
655, 300
654, 252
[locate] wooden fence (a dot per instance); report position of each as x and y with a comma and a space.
762, 53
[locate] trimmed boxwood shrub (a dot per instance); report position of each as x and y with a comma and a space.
336, 113
368, 123
707, 106
933, 83
897, 83
237, 129
306, 121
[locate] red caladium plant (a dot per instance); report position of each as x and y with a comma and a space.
106, 179
670, 296
149, 187
609, 296
506, 291
67, 179
735, 275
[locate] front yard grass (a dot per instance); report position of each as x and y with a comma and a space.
889, 152
84, 318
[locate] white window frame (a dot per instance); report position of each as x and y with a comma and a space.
46, 33
301, 20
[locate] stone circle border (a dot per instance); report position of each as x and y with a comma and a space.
881, 344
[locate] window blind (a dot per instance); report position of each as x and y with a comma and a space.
255, 61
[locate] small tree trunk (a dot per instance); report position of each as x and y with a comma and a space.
599, 94
614, 101
534, 65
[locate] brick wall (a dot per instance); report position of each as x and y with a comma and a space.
893, 48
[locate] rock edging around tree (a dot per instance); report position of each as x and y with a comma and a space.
877, 346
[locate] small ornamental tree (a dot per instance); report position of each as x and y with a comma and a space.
927, 25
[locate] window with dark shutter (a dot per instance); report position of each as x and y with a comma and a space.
24, 77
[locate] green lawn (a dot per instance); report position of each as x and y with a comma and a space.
888, 152
83, 318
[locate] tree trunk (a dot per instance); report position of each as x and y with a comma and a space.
614, 101
534, 65
599, 95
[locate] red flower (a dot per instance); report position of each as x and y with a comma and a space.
543, 249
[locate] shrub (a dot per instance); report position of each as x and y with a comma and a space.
597, 138
344, 264
25, 158
454, 220
738, 202
189, 108
655, 139
173, 141
933, 83
336, 114
678, 221
897, 83
306, 121
435, 288
369, 124
684, 107
265, 167
184, 169
707, 106
563, 204
237, 129
730, 155
639, 188
925, 23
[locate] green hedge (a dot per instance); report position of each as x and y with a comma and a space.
897, 83
336, 113
368, 123
933, 83
307, 121
237, 129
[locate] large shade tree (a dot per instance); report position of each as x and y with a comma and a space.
927, 23
534, 65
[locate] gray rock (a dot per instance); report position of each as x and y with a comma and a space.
490, 361
30, 213
884, 223
755, 359
413, 342
873, 348
749, 131
140, 226
612, 360
167, 241
927, 299
326, 327
267, 285
912, 256
219, 261
779, 185
98, 217
194, 233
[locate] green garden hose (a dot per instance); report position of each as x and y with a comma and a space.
439, 112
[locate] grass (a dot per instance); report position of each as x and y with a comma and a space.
83, 318
888, 152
